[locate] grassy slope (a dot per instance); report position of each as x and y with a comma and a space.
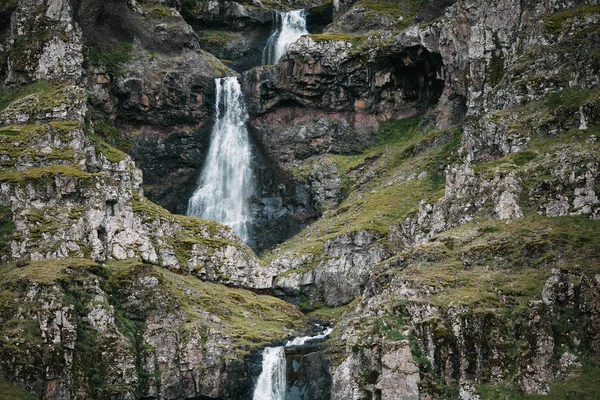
386, 198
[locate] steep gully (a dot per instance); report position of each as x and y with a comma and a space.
226, 185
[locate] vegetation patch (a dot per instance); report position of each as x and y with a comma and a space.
554, 24
485, 264
9, 96
111, 59
44, 172
11, 392
112, 154
7, 228
578, 384
217, 38
408, 166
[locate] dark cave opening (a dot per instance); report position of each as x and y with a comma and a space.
412, 78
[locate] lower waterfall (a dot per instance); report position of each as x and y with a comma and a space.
225, 185
272, 382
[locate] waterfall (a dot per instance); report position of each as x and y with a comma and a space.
225, 184
289, 26
271, 382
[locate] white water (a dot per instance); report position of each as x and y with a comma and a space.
272, 383
299, 341
289, 26
225, 184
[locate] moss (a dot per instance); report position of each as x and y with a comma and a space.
496, 70
471, 264
11, 95
571, 98
159, 11
150, 211
111, 59
354, 39
403, 11
216, 38
7, 228
403, 151
11, 392
555, 23
579, 383
43, 172
251, 320
112, 154
45, 271
112, 135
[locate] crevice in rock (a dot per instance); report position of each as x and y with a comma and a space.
412, 78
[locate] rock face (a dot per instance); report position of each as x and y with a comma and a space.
442, 158
75, 329
329, 75
149, 75
290, 134
337, 276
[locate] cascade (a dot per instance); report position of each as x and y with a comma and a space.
289, 26
271, 384
225, 184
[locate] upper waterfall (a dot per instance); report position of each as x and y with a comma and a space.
225, 185
289, 26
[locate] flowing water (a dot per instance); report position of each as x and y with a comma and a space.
225, 185
289, 26
271, 384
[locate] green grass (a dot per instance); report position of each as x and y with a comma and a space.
11, 392
217, 38
113, 58
7, 228
469, 264
555, 23
11, 95
112, 154
21, 141
571, 97
43, 172
356, 40
45, 271
159, 11
402, 151
579, 384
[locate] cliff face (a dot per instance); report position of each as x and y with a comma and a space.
442, 158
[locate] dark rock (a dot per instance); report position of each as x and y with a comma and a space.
289, 134
308, 373
432, 9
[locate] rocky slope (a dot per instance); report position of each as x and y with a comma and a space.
444, 153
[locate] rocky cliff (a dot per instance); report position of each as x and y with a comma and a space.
428, 183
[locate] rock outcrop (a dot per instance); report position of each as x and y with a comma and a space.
440, 157
76, 329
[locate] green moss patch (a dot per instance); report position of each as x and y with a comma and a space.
578, 384
45, 271
403, 153
112, 154
43, 172
11, 95
7, 228
471, 264
554, 24
111, 59
11, 392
